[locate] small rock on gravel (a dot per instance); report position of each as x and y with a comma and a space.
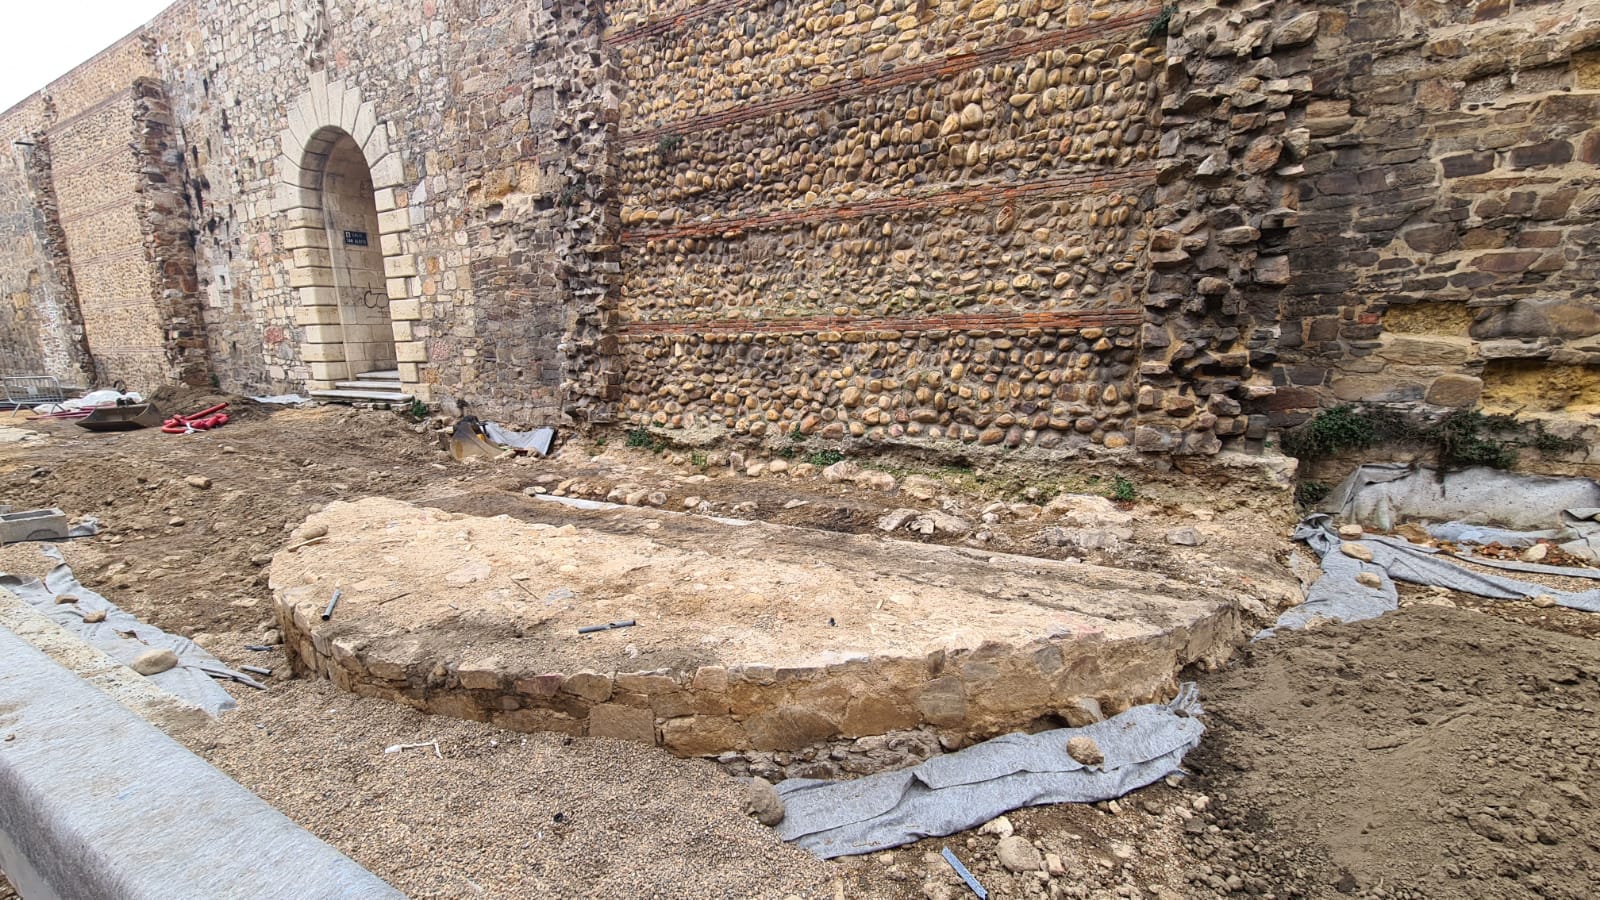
1185, 537
198, 481
1083, 749
1544, 601
1000, 827
1017, 855
763, 802
154, 662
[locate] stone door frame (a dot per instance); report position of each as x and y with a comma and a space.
315, 121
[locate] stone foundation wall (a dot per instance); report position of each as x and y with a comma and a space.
767, 718
915, 220
1448, 253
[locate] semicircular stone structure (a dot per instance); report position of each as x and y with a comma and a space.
747, 636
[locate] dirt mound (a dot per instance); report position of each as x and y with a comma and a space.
1431, 753
174, 400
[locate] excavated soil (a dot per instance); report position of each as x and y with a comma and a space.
1446, 750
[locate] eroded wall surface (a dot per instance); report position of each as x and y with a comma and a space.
41, 328
1448, 252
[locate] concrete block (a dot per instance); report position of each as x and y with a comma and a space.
366, 122
96, 802
323, 352
313, 257
335, 100
406, 309
316, 315
388, 171
305, 276
329, 372
317, 92
33, 525
394, 220
402, 330
410, 373
296, 238
411, 351
400, 266
375, 149
324, 334
401, 288
320, 295
385, 199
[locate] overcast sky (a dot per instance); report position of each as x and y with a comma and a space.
43, 39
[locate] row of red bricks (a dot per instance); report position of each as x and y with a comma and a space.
847, 88
1050, 321
1066, 186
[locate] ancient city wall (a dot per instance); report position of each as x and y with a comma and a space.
1448, 252
1076, 225
484, 113
910, 220
41, 329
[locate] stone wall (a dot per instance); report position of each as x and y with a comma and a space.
912, 221
478, 120
1448, 252
41, 329
1028, 224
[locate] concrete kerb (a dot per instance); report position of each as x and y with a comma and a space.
97, 803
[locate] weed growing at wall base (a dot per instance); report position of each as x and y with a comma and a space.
1458, 439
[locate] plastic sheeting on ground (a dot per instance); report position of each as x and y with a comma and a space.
957, 791
1338, 595
1381, 494
123, 637
281, 400
538, 440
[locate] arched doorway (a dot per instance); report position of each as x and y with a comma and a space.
355, 256
342, 193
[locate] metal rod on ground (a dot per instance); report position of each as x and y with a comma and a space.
255, 670
965, 875
257, 648
591, 629
328, 613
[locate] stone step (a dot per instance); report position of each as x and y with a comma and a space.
376, 396
367, 384
380, 375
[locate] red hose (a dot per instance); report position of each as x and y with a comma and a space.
204, 420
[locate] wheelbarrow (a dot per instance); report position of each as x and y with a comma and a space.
123, 416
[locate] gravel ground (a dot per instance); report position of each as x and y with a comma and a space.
502, 814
